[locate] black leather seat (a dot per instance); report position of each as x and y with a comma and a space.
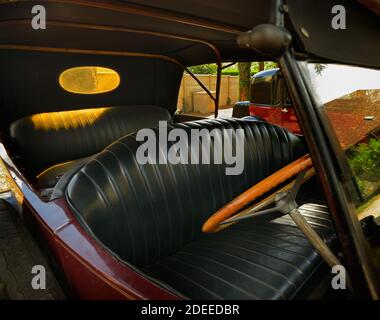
253, 259
151, 216
54, 142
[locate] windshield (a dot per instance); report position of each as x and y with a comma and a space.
351, 100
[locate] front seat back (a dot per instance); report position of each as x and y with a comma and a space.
143, 213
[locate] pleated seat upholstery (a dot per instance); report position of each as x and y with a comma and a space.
254, 259
54, 142
151, 216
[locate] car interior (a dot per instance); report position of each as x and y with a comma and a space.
151, 216
82, 149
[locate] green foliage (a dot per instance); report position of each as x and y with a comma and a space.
365, 160
204, 69
230, 71
233, 73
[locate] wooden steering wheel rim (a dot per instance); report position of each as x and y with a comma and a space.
280, 176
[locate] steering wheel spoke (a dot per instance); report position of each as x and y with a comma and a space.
285, 202
284, 198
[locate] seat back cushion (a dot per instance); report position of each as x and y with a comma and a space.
143, 213
46, 139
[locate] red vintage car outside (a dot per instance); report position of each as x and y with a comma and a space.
354, 123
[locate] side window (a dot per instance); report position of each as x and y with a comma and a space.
194, 100
236, 86
351, 98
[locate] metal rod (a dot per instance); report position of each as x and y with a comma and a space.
200, 84
314, 238
316, 241
251, 215
228, 65
277, 17
218, 85
88, 51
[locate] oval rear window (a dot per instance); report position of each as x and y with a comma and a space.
89, 80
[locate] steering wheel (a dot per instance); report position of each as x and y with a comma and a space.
284, 198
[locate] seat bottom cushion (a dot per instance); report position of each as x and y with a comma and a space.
253, 259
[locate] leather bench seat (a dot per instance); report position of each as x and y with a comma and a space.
151, 216
253, 259
52, 143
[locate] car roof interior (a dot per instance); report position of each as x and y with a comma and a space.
80, 25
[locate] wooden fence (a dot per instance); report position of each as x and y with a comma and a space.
192, 97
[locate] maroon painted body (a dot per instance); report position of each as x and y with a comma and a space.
284, 117
90, 270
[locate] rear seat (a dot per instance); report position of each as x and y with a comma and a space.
53, 143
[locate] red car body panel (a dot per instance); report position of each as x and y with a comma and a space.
90, 270
282, 117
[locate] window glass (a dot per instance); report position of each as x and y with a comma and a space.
193, 100
89, 80
351, 100
235, 87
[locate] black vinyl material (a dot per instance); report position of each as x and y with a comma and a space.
253, 259
48, 139
151, 216
146, 212
50, 177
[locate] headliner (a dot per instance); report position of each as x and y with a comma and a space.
227, 19
216, 21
